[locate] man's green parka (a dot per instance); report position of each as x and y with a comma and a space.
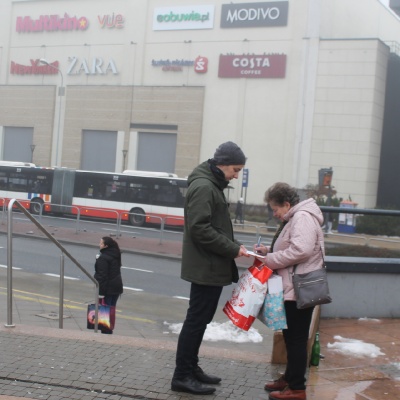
209, 248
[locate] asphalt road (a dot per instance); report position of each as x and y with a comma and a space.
151, 275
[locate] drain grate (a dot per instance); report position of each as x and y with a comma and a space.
51, 315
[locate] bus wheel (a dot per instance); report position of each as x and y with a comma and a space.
137, 217
35, 206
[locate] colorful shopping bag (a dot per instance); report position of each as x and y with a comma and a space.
106, 317
272, 312
248, 295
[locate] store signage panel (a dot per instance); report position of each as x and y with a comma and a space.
111, 21
35, 68
250, 15
94, 66
252, 66
51, 23
185, 17
200, 64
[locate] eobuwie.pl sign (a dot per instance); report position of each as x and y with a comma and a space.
185, 17
250, 15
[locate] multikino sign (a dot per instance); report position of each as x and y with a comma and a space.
250, 15
185, 17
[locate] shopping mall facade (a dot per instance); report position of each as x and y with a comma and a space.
300, 85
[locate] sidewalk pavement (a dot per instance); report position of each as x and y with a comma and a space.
39, 361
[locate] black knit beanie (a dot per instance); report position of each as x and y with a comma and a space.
229, 153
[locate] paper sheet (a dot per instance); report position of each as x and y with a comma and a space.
255, 254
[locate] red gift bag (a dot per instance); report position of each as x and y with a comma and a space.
248, 295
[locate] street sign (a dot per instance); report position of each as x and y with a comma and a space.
325, 176
245, 179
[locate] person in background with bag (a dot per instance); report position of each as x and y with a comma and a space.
108, 274
298, 241
239, 211
208, 254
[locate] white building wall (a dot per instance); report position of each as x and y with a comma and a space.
348, 115
326, 111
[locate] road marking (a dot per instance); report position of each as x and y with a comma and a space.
134, 289
129, 232
68, 306
137, 269
65, 277
181, 297
5, 266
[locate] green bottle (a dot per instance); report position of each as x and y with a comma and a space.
315, 352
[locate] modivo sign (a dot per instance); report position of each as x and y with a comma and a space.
252, 66
250, 15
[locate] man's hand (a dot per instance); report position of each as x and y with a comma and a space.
242, 252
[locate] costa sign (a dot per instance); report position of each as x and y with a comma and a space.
246, 15
252, 66
51, 23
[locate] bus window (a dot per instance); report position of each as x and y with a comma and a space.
115, 190
39, 181
138, 193
18, 182
166, 195
3, 181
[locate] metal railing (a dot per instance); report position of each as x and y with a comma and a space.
365, 211
14, 203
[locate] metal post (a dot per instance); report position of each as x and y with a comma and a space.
61, 299
162, 230
124, 153
329, 203
61, 91
32, 150
9, 266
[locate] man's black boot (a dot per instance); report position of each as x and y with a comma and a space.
190, 385
201, 376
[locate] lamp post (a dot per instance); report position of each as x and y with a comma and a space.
124, 153
60, 93
32, 150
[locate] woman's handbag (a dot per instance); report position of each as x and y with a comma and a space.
248, 295
311, 288
272, 313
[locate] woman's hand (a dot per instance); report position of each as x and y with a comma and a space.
260, 249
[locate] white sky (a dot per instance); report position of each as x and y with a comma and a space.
227, 331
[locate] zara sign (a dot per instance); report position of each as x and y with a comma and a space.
97, 66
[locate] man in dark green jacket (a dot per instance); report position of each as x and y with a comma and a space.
209, 250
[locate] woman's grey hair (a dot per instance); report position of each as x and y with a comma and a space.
281, 192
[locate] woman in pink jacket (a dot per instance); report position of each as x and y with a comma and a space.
298, 241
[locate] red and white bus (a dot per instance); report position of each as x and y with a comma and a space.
138, 198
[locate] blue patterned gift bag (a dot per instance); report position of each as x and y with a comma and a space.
272, 312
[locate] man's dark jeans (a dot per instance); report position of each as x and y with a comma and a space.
203, 304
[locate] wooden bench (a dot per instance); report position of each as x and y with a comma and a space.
279, 355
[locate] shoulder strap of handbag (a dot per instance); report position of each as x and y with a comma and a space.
320, 247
